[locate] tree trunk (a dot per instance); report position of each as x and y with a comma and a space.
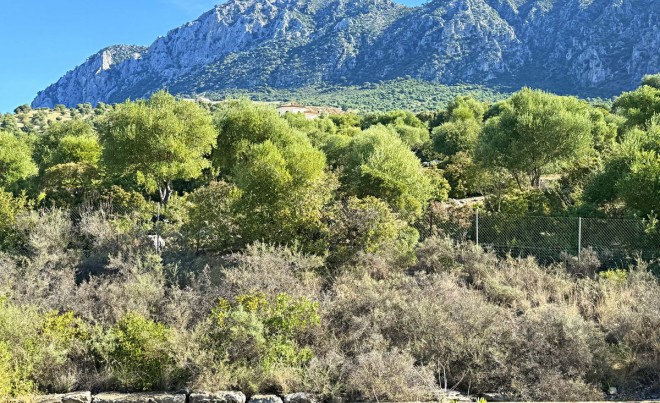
536, 178
165, 191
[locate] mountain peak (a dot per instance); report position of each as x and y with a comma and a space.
583, 47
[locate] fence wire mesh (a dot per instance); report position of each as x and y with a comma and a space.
616, 242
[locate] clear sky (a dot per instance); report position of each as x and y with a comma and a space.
42, 39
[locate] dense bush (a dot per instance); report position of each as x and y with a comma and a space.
138, 353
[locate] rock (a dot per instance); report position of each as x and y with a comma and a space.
612, 391
77, 397
46, 399
217, 397
301, 397
494, 397
265, 399
139, 398
588, 48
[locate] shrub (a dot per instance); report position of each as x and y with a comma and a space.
390, 376
261, 339
10, 208
367, 226
212, 224
138, 353
272, 270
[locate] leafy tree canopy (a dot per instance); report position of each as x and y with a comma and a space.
534, 131
160, 139
15, 159
377, 163
639, 106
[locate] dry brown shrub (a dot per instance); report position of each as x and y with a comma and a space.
629, 311
272, 270
388, 375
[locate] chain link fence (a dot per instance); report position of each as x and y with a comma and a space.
616, 242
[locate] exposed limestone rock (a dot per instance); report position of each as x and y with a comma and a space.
265, 399
301, 398
217, 397
139, 398
595, 48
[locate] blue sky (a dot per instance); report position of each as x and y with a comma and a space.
41, 40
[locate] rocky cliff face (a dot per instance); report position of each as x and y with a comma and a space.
584, 47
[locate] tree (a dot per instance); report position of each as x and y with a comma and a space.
212, 220
66, 139
283, 190
640, 186
25, 108
377, 163
15, 159
652, 80
412, 131
366, 226
631, 173
281, 177
455, 136
10, 208
639, 106
159, 140
534, 131
241, 124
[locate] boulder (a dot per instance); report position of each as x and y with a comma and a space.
44, 399
217, 397
139, 398
265, 399
301, 397
77, 397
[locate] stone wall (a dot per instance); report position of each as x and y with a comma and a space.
180, 397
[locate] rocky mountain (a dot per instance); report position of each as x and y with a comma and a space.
582, 47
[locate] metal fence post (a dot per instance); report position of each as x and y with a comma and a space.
477, 226
579, 251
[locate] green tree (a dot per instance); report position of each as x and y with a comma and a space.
410, 129
367, 226
377, 163
280, 175
81, 140
10, 208
160, 139
535, 131
244, 123
639, 188
630, 173
652, 80
283, 190
15, 159
639, 106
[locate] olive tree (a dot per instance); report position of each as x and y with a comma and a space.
534, 131
159, 140
377, 163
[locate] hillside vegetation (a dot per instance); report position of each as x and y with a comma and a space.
162, 243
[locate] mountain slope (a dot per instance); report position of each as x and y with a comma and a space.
584, 47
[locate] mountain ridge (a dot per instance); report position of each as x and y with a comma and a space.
581, 47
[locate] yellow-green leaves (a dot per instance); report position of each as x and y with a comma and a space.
160, 139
